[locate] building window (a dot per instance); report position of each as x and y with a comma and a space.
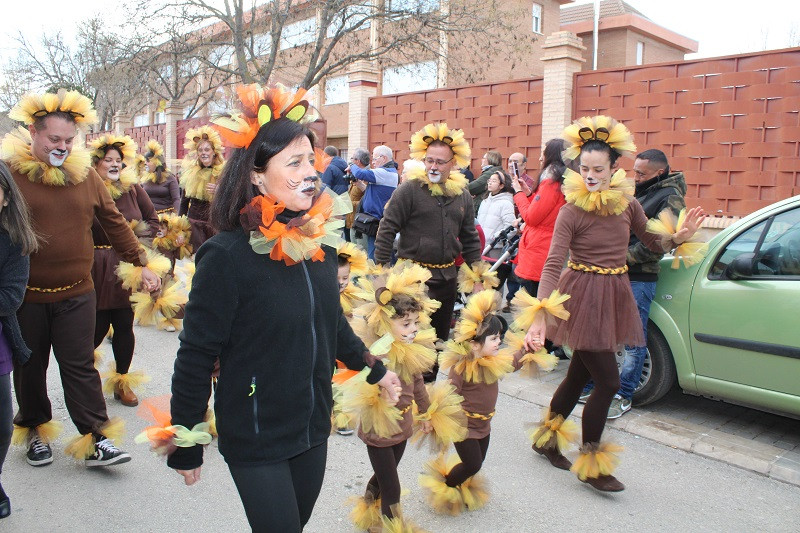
352, 17
414, 6
141, 120
537, 18
159, 118
337, 90
412, 77
639, 53
222, 55
299, 33
262, 44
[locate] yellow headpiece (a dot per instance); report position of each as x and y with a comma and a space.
34, 106
123, 143
473, 316
440, 132
600, 128
154, 147
356, 257
195, 136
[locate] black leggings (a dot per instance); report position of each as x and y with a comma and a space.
601, 367
6, 414
384, 462
472, 453
279, 497
123, 341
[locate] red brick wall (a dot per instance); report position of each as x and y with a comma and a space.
140, 134
504, 116
731, 124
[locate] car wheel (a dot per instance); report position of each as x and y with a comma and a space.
662, 374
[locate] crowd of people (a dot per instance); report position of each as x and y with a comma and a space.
317, 289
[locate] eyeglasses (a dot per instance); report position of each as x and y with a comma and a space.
437, 162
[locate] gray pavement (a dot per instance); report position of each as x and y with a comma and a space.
669, 488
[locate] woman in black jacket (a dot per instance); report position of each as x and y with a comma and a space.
17, 242
265, 302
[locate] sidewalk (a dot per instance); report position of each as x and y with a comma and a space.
761, 442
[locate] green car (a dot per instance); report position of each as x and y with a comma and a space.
729, 327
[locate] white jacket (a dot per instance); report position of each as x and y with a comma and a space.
495, 214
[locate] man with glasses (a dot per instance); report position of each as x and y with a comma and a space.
378, 184
434, 215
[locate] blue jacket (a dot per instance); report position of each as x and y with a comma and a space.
333, 176
381, 183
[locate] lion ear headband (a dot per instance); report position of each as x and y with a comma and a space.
600, 128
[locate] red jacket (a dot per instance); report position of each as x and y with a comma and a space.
539, 212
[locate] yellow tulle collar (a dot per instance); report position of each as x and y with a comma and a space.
152, 177
612, 201
127, 179
16, 151
409, 359
194, 179
452, 186
486, 369
350, 298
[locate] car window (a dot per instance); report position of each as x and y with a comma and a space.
777, 255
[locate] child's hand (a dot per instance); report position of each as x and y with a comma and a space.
477, 288
426, 426
179, 240
534, 339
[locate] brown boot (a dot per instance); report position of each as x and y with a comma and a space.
125, 396
554, 456
605, 483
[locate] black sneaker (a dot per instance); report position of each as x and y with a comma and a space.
106, 454
39, 453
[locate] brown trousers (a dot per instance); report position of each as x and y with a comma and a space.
443, 290
68, 327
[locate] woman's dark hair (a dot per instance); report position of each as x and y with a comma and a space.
404, 305
15, 218
160, 171
492, 325
235, 189
344, 260
600, 146
107, 148
553, 162
505, 181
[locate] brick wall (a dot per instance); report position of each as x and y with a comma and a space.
140, 134
732, 124
502, 116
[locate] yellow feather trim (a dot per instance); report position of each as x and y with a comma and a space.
372, 408
150, 308
48, 432
98, 358
340, 418
611, 201
666, 225
442, 498
440, 132
526, 307
131, 276
128, 382
16, 152
399, 524
34, 105
350, 298
123, 143
409, 359
479, 306
356, 256
448, 419
532, 363
478, 273
114, 429
366, 513
454, 185
194, 179
487, 369
596, 459
81, 447
554, 432
474, 492
211, 420
619, 138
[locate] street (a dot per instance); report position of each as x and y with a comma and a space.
667, 489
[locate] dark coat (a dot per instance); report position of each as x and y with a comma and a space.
14, 268
334, 177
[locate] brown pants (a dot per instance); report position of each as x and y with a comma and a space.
68, 327
443, 290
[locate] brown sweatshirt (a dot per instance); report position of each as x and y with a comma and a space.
63, 217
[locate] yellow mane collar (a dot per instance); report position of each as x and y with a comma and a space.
16, 151
454, 185
611, 201
127, 179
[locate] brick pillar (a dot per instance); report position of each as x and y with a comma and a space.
120, 122
562, 58
173, 114
363, 79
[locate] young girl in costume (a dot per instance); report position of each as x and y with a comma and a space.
396, 324
476, 364
201, 168
110, 153
593, 227
17, 242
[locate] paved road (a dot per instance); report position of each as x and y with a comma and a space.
668, 489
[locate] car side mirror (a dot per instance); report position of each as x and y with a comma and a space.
741, 267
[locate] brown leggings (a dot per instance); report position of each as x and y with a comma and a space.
472, 453
601, 367
385, 483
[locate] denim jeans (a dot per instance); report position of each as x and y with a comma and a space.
631, 371
370, 247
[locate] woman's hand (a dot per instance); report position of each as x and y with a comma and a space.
477, 288
390, 383
190, 477
534, 339
179, 240
211, 188
150, 282
694, 218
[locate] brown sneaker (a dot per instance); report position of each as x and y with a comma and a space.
554, 456
605, 483
125, 396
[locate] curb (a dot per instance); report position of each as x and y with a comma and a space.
765, 459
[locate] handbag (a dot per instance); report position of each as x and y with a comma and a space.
366, 224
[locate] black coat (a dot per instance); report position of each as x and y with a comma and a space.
334, 177
14, 268
277, 331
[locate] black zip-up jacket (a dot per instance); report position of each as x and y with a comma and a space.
277, 331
